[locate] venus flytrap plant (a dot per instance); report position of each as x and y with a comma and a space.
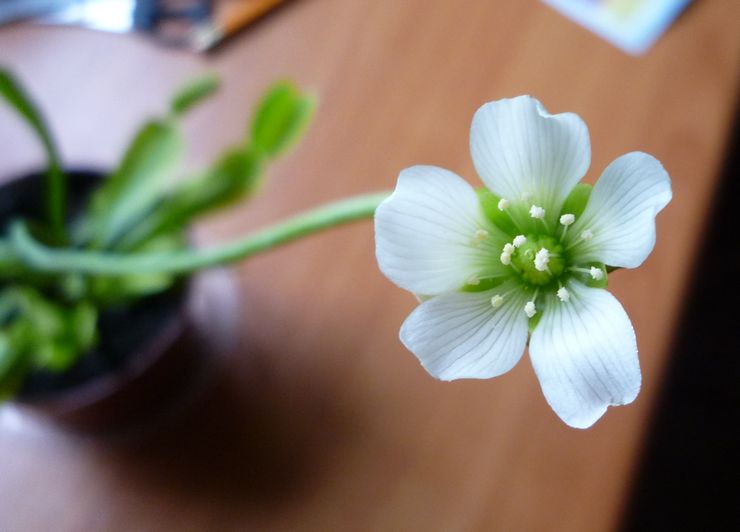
59, 273
526, 259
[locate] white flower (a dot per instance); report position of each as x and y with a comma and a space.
532, 273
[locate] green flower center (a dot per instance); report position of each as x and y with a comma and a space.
523, 260
541, 254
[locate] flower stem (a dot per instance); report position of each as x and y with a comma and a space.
49, 259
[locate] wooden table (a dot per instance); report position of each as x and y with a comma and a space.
325, 421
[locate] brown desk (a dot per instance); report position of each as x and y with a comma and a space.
326, 422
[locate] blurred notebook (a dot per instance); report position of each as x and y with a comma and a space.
632, 25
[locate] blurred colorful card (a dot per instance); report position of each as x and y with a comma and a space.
632, 25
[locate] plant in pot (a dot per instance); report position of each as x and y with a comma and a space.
95, 270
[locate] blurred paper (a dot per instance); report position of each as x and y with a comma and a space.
632, 25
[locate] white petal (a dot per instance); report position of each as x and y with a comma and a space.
520, 150
585, 355
461, 335
425, 233
621, 211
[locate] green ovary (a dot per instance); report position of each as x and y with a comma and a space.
523, 260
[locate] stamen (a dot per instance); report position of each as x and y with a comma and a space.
530, 309
587, 235
479, 236
519, 241
567, 219
537, 212
596, 274
503, 204
563, 294
505, 258
509, 248
541, 259
497, 301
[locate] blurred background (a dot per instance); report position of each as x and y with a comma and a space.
324, 421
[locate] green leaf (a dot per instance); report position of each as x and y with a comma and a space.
236, 176
12, 367
7, 356
47, 318
137, 185
83, 325
576, 201
56, 355
10, 265
193, 93
281, 117
8, 305
55, 190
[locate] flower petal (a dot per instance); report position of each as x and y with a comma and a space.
621, 212
585, 355
461, 335
425, 233
522, 151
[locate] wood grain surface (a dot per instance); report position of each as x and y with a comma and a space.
324, 421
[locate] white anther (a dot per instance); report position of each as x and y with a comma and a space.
474, 280
596, 273
503, 204
541, 259
537, 212
505, 258
519, 241
497, 301
529, 309
563, 294
509, 248
567, 219
587, 235
480, 234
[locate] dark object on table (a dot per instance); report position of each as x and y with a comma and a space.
195, 24
688, 478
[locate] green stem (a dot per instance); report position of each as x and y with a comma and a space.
44, 258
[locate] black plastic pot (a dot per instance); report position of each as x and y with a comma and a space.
150, 356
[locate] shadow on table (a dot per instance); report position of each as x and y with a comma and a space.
254, 436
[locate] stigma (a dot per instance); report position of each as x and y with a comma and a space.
506, 254
541, 259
